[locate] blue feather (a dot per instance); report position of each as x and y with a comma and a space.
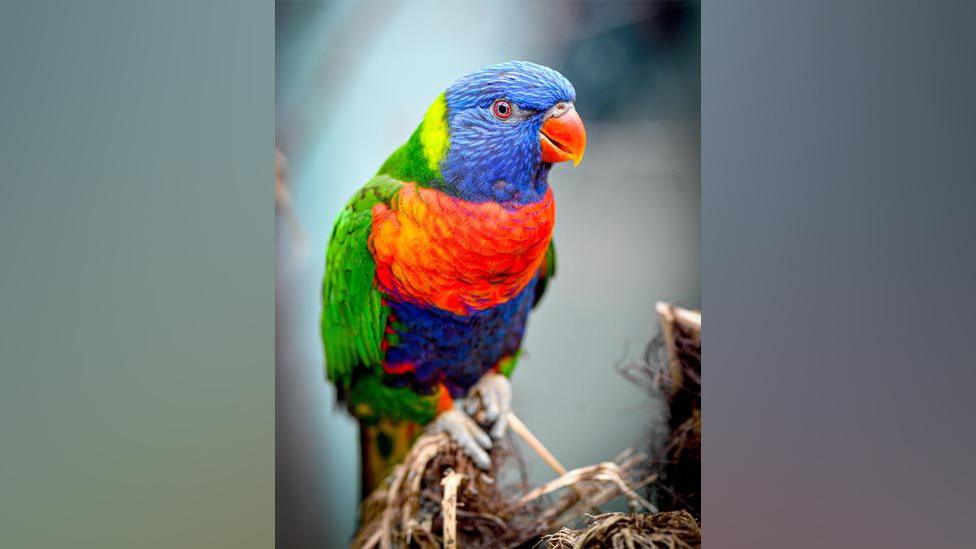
455, 350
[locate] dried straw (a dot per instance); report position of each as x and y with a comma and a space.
437, 497
671, 530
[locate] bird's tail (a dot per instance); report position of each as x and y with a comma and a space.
382, 445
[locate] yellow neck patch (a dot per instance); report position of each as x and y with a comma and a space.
433, 133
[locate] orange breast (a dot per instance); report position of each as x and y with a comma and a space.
434, 249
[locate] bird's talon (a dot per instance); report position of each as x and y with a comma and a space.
463, 430
493, 396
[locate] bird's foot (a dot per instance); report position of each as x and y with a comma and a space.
466, 433
490, 401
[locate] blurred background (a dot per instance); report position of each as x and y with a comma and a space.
353, 80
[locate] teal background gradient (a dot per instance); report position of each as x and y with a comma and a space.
136, 274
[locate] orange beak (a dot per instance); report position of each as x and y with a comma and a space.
563, 138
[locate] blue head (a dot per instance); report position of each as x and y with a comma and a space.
506, 125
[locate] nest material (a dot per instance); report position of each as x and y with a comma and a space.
437, 497
681, 475
671, 530
671, 370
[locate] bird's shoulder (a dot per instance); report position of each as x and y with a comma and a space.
381, 189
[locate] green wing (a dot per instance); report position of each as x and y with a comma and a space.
547, 273
353, 314
354, 317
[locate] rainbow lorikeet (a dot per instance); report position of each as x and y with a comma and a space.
433, 266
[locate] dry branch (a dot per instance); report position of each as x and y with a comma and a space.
449, 508
519, 428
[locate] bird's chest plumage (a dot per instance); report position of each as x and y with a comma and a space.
458, 278
439, 251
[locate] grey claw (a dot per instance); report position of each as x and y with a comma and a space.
490, 400
481, 437
473, 450
493, 393
466, 433
500, 426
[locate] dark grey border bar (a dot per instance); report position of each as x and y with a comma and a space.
837, 222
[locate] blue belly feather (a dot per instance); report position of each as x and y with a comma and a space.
451, 349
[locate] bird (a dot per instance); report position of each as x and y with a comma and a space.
434, 265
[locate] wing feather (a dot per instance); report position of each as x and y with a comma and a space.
546, 273
353, 315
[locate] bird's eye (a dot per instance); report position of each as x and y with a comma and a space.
501, 109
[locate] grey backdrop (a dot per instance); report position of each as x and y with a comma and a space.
837, 243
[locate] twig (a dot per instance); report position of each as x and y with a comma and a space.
523, 432
449, 508
516, 425
665, 313
606, 471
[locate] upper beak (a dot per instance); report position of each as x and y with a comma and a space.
562, 136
